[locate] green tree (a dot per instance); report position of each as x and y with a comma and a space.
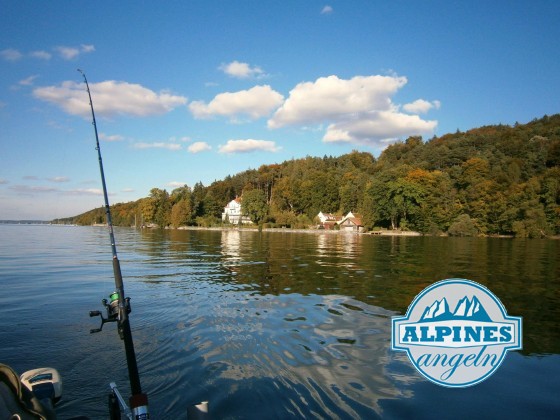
285, 195
550, 197
391, 198
160, 206
181, 193
254, 205
351, 191
434, 198
285, 219
181, 213
148, 209
198, 195
463, 226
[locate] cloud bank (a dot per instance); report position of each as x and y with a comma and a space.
248, 146
358, 110
65, 52
254, 103
241, 70
198, 147
158, 145
421, 106
110, 98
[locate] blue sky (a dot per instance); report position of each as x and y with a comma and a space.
189, 91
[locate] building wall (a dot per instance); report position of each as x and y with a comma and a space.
232, 213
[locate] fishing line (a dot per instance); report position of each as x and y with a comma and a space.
118, 307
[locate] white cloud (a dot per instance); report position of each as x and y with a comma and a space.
182, 139
377, 127
10, 54
199, 146
176, 184
65, 52
241, 70
256, 102
3, 181
87, 48
158, 145
59, 179
326, 10
249, 145
28, 189
114, 137
358, 110
85, 191
28, 81
43, 189
70, 53
42, 55
421, 106
110, 98
333, 98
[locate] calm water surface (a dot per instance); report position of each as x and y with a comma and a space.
271, 325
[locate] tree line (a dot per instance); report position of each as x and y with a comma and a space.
491, 180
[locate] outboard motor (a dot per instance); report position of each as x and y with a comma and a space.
45, 383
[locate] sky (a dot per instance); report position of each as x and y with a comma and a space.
194, 91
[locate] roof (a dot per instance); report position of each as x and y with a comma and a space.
355, 219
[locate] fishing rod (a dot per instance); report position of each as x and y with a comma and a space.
118, 307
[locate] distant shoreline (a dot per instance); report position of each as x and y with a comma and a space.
342, 232
383, 232
289, 230
277, 230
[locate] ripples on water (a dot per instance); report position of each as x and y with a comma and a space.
272, 325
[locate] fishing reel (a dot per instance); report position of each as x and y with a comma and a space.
112, 309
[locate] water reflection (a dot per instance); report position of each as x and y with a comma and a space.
307, 316
264, 310
271, 325
386, 272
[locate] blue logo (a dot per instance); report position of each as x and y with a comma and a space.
456, 333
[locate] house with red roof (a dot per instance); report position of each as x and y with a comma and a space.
351, 223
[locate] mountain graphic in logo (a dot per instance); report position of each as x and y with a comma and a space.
465, 309
461, 345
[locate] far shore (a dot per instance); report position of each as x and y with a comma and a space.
289, 230
382, 232
313, 231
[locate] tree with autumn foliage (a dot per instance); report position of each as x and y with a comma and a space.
495, 179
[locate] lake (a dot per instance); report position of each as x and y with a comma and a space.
272, 324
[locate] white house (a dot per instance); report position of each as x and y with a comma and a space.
351, 223
327, 220
232, 213
327, 217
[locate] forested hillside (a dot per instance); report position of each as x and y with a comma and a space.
490, 180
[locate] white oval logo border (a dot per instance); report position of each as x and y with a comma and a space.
434, 292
